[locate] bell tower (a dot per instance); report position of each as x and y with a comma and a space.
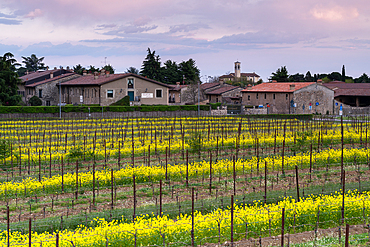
237, 69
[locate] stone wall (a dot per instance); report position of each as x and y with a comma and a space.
350, 110
312, 94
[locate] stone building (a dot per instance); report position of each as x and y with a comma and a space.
224, 93
352, 94
176, 92
105, 89
289, 97
239, 76
44, 84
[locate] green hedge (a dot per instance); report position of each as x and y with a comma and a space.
70, 108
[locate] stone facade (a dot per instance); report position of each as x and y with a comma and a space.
280, 101
47, 91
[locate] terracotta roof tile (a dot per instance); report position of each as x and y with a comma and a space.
206, 86
349, 89
223, 89
49, 80
278, 87
102, 79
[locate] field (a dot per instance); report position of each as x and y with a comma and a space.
184, 181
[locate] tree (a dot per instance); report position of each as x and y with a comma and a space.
364, 78
151, 67
79, 69
343, 74
171, 72
8, 80
190, 95
109, 68
33, 63
296, 77
189, 70
92, 69
132, 70
308, 77
35, 101
281, 75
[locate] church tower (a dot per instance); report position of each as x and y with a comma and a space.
237, 69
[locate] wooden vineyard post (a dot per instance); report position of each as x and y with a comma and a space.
39, 166
57, 240
341, 159
76, 179
8, 225
134, 192
234, 176
346, 243
49, 163
265, 182
311, 162
210, 174
148, 155
93, 190
160, 197
282, 158
282, 226
192, 217
29, 232
343, 193
297, 184
187, 168
112, 189
166, 163
119, 155
232, 221
62, 174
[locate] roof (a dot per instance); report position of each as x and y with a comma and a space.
223, 89
349, 89
49, 80
89, 80
278, 87
232, 75
177, 87
36, 74
209, 85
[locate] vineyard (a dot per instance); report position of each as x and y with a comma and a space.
185, 181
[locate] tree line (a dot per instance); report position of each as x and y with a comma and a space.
282, 75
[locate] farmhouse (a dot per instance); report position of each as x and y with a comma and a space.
105, 89
352, 94
289, 97
44, 85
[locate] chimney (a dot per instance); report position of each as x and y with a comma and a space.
319, 81
51, 75
249, 87
55, 68
107, 73
177, 84
84, 72
96, 76
47, 67
291, 87
27, 72
67, 68
274, 81
102, 71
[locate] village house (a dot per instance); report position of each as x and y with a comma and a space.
290, 97
238, 76
44, 85
105, 89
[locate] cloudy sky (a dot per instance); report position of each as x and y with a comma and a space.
314, 35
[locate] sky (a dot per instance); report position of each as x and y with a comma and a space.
315, 35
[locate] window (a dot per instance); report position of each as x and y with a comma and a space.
273, 96
109, 93
47, 103
130, 83
286, 96
257, 96
158, 93
249, 97
40, 93
265, 96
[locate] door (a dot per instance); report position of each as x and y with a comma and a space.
131, 95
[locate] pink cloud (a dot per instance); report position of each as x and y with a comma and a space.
33, 14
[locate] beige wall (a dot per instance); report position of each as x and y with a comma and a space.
279, 102
120, 90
